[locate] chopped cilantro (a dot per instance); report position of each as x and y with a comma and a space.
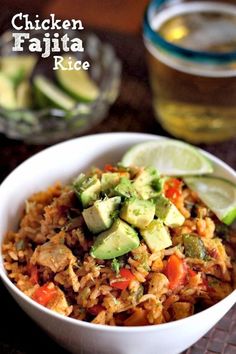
158, 184
115, 264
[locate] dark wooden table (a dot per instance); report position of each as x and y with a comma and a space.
131, 112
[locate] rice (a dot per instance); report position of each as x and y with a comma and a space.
50, 252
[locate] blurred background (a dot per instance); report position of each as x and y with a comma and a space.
116, 15
117, 22
120, 23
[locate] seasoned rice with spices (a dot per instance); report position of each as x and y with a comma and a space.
49, 258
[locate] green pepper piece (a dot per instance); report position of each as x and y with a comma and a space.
194, 247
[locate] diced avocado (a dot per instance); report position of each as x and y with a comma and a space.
147, 175
99, 217
138, 212
168, 213
87, 189
144, 182
156, 236
194, 246
125, 188
120, 239
109, 180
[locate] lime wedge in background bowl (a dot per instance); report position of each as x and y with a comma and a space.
170, 157
7, 100
47, 91
218, 194
55, 106
18, 67
77, 82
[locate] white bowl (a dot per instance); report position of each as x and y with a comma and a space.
62, 162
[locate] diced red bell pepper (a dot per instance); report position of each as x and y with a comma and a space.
123, 282
173, 188
191, 272
33, 274
44, 294
109, 168
176, 271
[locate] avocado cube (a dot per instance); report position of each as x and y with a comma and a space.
156, 236
168, 213
145, 181
125, 188
87, 189
99, 217
138, 212
120, 239
109, 180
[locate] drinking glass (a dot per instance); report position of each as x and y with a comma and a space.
191, 53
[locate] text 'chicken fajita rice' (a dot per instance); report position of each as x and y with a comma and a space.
122, 247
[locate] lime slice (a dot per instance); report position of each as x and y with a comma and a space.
77, 82
7, 97
18, 67
170, 157
47, 91
218, 194
23, 95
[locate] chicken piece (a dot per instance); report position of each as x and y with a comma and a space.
138, 318
54, 256
217, 250
216, 245
68, 278
25, 285
100, 318
182, 310
218, 289
59, 303
158, 285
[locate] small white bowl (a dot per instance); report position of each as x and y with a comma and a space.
63, 162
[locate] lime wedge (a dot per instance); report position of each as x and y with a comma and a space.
218, 194
46, 91
77, 82
24, 95
18, 67
7, 97
170, 157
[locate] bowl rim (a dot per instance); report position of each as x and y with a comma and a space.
91, 326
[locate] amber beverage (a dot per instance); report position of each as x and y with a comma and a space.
191, 50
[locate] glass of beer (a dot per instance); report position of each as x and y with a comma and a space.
191, 50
